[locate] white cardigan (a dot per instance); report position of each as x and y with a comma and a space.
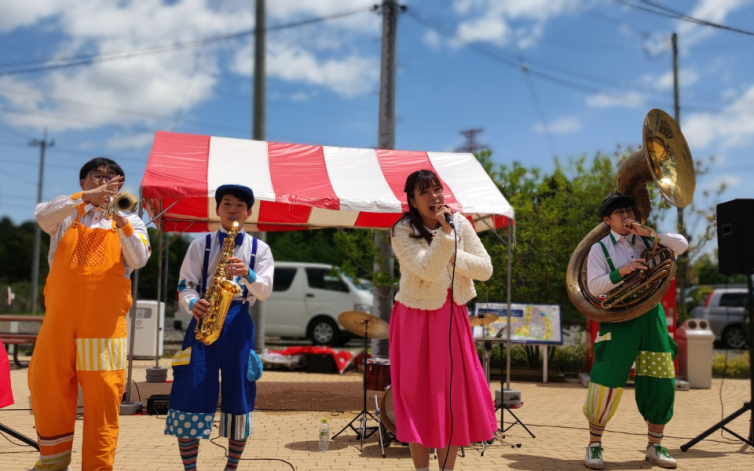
426, 268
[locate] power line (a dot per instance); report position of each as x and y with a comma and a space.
6, 173
674, 14
10, 130
505, 60
89, 59
534, 96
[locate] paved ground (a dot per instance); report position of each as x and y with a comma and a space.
290, 405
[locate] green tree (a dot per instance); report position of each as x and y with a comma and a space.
179, 245
553, 214
706, 268
16, 250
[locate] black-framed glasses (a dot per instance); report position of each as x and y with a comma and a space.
623, 212
98, 177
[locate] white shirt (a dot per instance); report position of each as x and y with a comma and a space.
258, 282
622, 250
57, 216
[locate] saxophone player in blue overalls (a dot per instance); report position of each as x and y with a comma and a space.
196, 367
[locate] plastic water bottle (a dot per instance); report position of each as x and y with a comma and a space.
324, 436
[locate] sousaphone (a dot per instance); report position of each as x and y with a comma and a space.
665, 160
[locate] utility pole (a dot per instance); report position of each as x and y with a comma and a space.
43, 145
683, 260
383, 260
471, 145
258, 133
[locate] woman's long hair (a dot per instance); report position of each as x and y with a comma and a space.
419, 180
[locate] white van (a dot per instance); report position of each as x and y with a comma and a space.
306, 301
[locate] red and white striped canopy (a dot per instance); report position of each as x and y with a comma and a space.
305, 187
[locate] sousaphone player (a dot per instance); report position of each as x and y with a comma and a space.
618, 275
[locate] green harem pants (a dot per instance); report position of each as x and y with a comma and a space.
646, 341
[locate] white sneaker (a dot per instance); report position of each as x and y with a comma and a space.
593, 459
658, 455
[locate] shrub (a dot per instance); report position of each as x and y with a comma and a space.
737, 367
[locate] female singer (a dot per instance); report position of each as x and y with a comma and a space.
425, 337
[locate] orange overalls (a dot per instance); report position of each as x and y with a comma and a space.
83, 338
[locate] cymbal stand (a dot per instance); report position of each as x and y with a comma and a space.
364, 415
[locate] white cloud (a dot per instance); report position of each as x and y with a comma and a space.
17, 14
728, 94
563, 125
733, 126
432, 39
605, 100
715, 11
348, 76
156, 84
130, 141
729, 181
686, 78
490, 20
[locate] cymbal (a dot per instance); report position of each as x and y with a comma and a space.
355, 322
483, 319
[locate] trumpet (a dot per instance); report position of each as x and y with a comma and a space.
122, 204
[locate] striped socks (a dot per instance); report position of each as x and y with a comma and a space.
595, 432
654, 437
235, 450
189, 451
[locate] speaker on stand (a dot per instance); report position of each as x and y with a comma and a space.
735, 248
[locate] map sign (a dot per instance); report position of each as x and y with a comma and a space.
530, 323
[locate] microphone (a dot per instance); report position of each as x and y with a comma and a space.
449, 220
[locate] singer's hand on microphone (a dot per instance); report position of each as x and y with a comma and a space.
440, 215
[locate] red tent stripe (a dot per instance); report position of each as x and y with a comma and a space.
397, 165
177, 167
283, 213
297, 169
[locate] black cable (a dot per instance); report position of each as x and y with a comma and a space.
676, 15
14, 443
89, 59
212, 441
137, 389
450, 347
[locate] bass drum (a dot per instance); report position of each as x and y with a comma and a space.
387, 412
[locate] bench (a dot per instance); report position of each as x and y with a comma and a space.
16, 338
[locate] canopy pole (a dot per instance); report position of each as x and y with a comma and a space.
159, 295
508, 341
134, 297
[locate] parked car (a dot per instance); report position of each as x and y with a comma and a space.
725, 310
306, 301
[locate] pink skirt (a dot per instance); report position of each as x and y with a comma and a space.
420, 374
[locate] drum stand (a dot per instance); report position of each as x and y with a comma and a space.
364, 415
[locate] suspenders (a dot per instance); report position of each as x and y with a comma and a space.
205, 266
604, 249
607, 255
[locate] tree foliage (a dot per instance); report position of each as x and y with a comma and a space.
553, 212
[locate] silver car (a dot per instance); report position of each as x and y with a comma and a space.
725, 310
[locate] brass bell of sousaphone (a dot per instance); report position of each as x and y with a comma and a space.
665, 159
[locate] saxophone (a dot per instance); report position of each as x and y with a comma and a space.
219, 294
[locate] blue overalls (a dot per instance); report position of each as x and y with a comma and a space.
196, 367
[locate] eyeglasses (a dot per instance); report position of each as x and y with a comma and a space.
98, 177
622, 212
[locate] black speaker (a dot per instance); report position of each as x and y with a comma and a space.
735, 237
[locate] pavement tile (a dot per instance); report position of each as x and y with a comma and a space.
291, 404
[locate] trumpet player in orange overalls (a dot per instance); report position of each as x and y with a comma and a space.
83, 336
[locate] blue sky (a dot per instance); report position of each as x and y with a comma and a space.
323, 81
